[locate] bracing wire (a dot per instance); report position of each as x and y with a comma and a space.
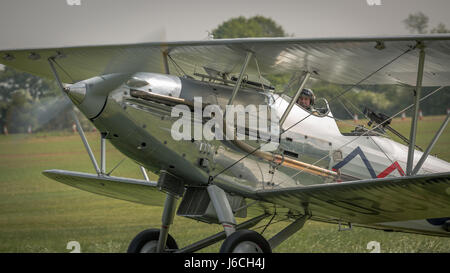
177, 67
358, 83
367, 132
336, 97
62, 69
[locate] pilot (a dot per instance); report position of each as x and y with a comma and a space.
306, 99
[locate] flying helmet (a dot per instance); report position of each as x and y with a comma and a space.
306, 92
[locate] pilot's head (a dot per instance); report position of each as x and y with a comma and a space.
306, 98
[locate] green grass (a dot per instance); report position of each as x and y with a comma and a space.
40, 215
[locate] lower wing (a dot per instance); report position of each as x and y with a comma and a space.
370, 201
128, 189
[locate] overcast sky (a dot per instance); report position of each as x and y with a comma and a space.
47, 23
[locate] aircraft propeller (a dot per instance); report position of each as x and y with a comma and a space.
122, 67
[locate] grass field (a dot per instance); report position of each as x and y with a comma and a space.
40, 215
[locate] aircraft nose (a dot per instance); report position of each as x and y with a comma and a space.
76, 92
90, 95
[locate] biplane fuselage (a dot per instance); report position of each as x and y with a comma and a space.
136, 119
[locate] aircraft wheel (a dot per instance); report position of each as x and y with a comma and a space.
245, 241
447, 226
147, 242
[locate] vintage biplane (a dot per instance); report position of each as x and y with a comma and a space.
315, 172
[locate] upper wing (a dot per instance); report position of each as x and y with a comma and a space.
336, 60
370, 201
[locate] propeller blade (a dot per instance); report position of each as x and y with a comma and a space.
48, 109
130, 62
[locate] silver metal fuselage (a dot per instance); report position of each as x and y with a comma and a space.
141, 129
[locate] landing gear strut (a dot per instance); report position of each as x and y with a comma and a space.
238, 238
147, 242
157, 240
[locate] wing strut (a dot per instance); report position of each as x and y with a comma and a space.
430, 146
144, 172
241, 75
103, 152
51, 60
417, 91
86, 144
165, 54
288, 231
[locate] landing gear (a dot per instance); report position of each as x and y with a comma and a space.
245, 241
446, 226
147, 242
159, 240
238, 238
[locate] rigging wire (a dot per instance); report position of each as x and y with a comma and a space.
379, 134
358, 83
270, 221
350, 113
259, 73
63, 70
177, 67
285, 219
381, 149
211, 178
398, 113
352, 125
236, 162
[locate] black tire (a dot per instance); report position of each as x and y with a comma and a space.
446, 226
150, 236
245, 241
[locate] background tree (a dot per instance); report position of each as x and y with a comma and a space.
27, 100
440, 28
437, 104
257, 26
240, 27
417, 22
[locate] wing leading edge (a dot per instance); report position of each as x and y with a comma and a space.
370, 201
336, 60
128, 189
